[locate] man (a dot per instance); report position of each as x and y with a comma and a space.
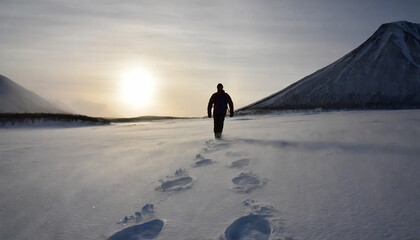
220, 100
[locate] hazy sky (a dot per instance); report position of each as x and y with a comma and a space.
79, 53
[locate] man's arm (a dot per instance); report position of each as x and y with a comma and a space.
211, 101
230, 105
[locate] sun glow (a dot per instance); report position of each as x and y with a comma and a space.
138, 87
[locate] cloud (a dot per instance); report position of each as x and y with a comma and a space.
273, 43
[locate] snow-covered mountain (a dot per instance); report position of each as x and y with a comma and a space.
382, 73
16, 99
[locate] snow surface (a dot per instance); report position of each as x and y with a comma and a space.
336, 175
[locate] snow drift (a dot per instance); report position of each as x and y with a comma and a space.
16, 99
382, 73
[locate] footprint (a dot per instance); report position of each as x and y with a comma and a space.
202, 161
249, 227
246, 182
176, 184
215, 145
148, 230
180, 181
239, 163
263, 222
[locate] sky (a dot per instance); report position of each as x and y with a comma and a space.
130, 58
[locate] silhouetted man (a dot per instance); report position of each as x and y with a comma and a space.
220, 100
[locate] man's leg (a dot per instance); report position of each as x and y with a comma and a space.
222, 120
216, 118
218, 124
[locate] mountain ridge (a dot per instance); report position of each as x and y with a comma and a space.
17, 99
382, 73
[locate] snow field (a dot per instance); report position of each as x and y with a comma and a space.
340, 175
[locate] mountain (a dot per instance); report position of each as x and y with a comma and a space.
382, 73
16, 99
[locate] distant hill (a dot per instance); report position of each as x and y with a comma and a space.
143, 119
11, 120
48, 120
17, 99
382, 73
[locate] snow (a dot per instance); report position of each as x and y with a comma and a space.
335, 175
404, 48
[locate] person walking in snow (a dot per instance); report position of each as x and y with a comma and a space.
219, 101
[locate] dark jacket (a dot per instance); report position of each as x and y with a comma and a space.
220, 100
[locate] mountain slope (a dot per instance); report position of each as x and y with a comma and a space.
16, 99
383, 72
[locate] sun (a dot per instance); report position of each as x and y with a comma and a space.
138, 87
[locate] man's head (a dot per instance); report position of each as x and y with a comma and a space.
219, 87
